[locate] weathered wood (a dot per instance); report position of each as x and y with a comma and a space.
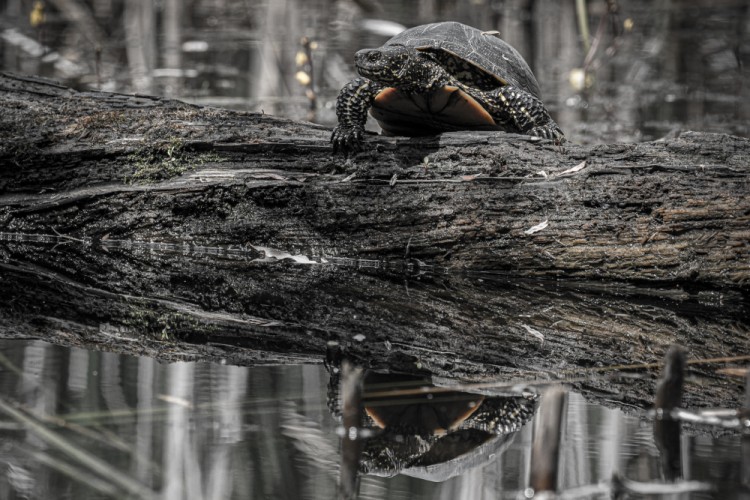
676, 211
149, 225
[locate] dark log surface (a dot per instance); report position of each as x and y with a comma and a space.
152, 226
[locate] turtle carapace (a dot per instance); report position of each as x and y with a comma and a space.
441, 77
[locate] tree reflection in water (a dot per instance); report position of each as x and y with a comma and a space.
85, 424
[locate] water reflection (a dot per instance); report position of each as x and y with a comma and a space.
85, 424
435, 433
181, 429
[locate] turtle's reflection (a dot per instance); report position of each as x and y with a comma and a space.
434, 433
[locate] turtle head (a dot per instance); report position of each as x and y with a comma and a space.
396, 66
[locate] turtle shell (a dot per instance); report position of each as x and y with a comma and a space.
476, 58
482, 50
426, 413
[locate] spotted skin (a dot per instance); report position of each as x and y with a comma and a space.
519, 111
413, 71
352, 105
395, 449
503, 415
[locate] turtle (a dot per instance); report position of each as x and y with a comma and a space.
433, 435
441, 77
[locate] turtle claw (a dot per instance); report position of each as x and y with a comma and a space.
549, 131
345, 139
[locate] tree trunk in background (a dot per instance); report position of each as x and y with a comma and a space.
144, 442
80, 14
172, 49
140, 43
278, 42
480, 13
103, 8
152, 226
516, 28
558, 50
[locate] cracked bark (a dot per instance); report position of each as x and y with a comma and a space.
151, 226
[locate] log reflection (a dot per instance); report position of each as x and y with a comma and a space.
666, 428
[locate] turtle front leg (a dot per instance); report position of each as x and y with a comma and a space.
518, 110
354, 100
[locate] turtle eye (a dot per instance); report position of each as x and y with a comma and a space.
373, 56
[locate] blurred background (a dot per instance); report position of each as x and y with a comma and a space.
610, 71
628, 70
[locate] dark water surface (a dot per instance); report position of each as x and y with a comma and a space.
85, 424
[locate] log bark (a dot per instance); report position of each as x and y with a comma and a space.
150, 225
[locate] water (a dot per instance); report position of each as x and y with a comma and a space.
116, 426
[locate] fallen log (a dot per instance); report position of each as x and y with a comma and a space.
148, 225
674, 211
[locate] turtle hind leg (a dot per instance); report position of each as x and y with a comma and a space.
352, 104
520, 111
503, 414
